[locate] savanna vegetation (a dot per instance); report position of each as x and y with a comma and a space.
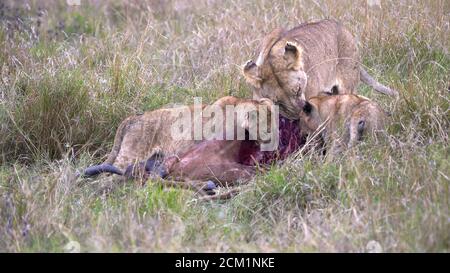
70, 74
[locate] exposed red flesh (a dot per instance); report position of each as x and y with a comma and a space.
290, 141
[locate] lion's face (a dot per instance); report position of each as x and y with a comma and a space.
279, 76
309, 116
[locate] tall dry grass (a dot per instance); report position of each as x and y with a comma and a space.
69, 75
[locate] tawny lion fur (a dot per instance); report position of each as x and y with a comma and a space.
138, 137
343, 120
306, 60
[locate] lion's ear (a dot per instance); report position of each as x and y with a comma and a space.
252, 74
293, 55
306, 106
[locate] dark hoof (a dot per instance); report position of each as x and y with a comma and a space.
209, 188
163, 172
150, 168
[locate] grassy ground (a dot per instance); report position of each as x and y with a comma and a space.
69, 75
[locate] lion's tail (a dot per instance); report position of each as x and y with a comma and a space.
369, 80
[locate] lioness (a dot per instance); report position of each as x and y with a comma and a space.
342, 119
304, 61
140, 137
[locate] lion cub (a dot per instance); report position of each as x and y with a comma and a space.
341, 120
139, 137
